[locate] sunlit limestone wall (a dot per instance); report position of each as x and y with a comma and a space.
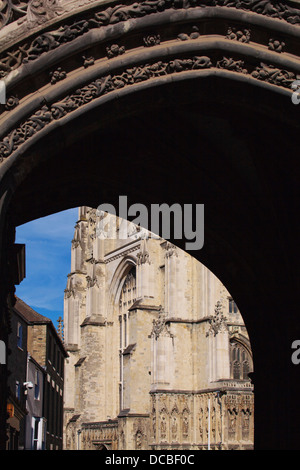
144, 323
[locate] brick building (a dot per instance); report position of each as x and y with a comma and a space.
43, 355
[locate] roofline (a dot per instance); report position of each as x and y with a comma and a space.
44, 321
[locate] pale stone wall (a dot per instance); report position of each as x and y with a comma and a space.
148, 331
37, 340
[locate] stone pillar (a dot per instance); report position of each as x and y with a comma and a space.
171, 277
218, 346
145, 274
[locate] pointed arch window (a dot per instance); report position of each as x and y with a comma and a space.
240, 361
127, 298
232, 306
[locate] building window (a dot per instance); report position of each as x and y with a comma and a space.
127, 298
36, 422
240, 361
232, 306
37, 385
38, 433
19, 335
18, 390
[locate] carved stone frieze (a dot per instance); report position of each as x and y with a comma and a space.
115, 50
40, 11
238, 35
88, 61
11, 103
57, 75
151, 40
231, 64
193, 35
136, 74
11, 10
274, 75
276, 45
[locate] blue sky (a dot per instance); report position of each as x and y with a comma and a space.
48, 262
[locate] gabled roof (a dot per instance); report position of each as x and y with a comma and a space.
28, 313
32, 318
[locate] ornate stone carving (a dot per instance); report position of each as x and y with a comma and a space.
41, 10
70, 290
114, 50
193, 35
139, 440
86, 94
218, 321
231, 64
238, 35
276, 45
232, 422
151, 40
160, 327
92, 281
101, 86
274, 75
11, 10
201, 424
163, 426
88, 61
35, 123
245, 423
11, 103
76, 240
185, 424
34, 11
171, 250
174, 424
57, 75
143, 256
153, 422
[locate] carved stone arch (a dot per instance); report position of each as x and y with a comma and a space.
238, 364
123, 268
87, 84
239, 337
175, 423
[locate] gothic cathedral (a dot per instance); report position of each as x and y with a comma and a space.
159, 355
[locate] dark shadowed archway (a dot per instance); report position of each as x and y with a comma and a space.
174, 102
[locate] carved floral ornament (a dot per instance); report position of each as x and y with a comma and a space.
160, 327
43, 10
218, 321
48, 114
39, 11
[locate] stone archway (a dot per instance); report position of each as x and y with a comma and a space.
168, 101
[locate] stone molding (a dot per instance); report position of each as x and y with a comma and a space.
101, 21
112, 82
32, 15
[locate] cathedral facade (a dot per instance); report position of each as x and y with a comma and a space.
159, 355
